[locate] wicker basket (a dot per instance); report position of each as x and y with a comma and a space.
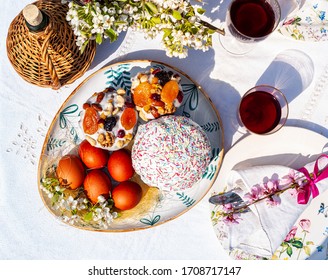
49, 58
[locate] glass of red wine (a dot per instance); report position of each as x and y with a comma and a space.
249, 22
263, 110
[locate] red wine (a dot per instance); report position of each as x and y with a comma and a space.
260, 112
253, 18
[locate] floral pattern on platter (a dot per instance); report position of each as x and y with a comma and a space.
309, 23
65, 134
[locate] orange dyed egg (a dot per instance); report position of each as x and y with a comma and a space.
120, 165
97, 183
70, 172
91, 156
126, 195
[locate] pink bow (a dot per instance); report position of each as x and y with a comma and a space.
310, 187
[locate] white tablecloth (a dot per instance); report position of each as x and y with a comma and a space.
28, 229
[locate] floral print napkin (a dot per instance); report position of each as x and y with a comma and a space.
275, 197
310, 23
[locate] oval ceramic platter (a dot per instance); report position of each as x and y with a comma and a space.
293, 147
155, 207
309, 23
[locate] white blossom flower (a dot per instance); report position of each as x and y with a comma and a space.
101, 199
117, 16
74, 209
71, 219
70, 203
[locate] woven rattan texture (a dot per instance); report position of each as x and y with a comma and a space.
49, 58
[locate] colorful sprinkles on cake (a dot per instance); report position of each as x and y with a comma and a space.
171, 153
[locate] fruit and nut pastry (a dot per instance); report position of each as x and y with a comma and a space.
156, 93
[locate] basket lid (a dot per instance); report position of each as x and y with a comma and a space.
41, 46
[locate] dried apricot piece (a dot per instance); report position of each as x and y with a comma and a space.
128, 118
141, 94
170, 91
154, 80
90, 121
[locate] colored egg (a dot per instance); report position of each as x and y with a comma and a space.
120, 165
97, 183
70, 172
126, 195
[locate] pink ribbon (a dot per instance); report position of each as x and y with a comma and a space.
310, 187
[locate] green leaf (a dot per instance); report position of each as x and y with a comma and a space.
167, 32
213, 214
110, 203
84, 33
151, 8
147, 25
156, 20
289, 251
99, 38
84, 46
209, 41
284, 244
189, 14
309, 243
176, 15
55, 198
111, 34
297, 244
119, 22
88, 19
88, 216
80, 13
298, 19
201, 11
307, 250
194, 30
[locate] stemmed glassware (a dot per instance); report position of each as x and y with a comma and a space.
249, 22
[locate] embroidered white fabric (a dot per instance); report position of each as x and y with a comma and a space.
29, 231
